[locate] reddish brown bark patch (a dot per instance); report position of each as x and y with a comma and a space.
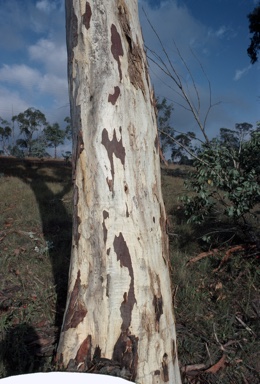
76, 218
84, 353
77, 152
112, 98
165, 368
113, 147
165, 247
105, 216
87, 15
158, 307
123, 255
116, 48
136, 64
125, 352
76, 310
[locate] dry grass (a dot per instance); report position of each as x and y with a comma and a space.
217, 312
35, 238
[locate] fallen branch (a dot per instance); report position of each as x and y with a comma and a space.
228, 254
202, 256
230, 251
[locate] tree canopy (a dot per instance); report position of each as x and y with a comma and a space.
254, 28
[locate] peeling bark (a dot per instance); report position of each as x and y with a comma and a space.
76, 308
113, 147
112, 98
119, 308
126, 353
123, 255
87, 15
116, 48
84, 352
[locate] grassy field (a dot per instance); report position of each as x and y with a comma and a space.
217, 311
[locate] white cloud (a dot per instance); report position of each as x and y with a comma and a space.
241, 72
11, 103
33, 83
168, 21
223, 32
52, 55
55, 86
46, 6
19, 74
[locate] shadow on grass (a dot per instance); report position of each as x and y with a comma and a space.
55, 218
20, 349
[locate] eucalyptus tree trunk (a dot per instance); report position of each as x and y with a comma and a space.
119, 303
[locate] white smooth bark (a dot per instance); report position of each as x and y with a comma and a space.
119, 304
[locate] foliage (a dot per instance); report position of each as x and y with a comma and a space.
254, 28
5, 134
179, 152
16, 151
163, 120
39, 147
179, 144
67, 156
29, 122
226, 181
54, 136
68, 129
36, 134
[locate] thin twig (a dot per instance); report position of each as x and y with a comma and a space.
245, 326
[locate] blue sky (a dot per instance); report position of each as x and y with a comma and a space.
33, 58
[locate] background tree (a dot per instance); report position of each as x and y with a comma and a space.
174, 143
29, 122
119, 303
5, 134
254, 28
164, 112
38, 148
54, 136
68, 128
182, 142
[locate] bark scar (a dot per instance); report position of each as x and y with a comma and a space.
112, 98
84, 353
165, 368
123, 255
113, 147
76, 310
105, 216
116, 48
136, 62
125, 352
158, 307
87, 16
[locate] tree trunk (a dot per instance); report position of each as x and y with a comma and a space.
119, 303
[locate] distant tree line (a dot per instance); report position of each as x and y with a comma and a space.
35, 135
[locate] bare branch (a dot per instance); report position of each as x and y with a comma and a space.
184, 147
167, 67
